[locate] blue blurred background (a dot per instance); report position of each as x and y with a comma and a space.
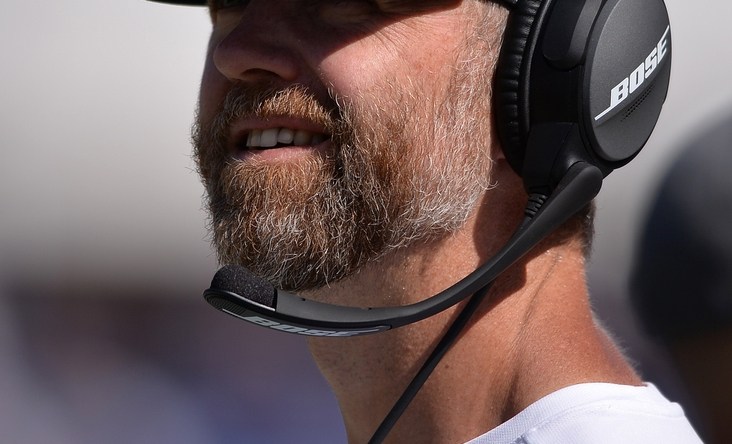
103, 249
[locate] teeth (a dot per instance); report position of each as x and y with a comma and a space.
318, 138
286, 135
270, 137
255, 138
302, 137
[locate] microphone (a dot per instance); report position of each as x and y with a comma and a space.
238, 292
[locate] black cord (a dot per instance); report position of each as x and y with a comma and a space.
421, 377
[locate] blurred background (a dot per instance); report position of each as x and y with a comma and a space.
104, 336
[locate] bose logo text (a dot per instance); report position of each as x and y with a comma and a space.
630, 84
304, 331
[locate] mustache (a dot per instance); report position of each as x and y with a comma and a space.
266, 102
211, 137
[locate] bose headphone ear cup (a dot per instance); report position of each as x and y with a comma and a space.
510, 97
557, 100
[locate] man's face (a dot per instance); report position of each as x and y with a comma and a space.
330, 133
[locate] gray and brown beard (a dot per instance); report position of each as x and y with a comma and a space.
405, 170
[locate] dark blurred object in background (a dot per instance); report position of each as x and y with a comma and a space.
682, 280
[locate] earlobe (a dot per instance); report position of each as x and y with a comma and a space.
496, 147
497, 154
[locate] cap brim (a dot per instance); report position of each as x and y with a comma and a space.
182, 2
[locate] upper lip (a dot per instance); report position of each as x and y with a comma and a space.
257, 134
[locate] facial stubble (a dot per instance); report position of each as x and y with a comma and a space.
403, 169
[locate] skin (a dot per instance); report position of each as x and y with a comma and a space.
533, 335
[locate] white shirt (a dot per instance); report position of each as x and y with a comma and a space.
597, 413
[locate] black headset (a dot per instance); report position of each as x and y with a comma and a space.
578, 90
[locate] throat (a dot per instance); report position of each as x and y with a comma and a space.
368, 375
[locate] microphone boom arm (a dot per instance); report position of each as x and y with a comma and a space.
294, 314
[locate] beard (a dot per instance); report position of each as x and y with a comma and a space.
404, 169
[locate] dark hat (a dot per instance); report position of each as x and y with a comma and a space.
682, 279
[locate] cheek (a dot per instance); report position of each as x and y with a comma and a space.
351, 74
360, 71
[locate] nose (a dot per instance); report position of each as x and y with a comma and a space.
260, 45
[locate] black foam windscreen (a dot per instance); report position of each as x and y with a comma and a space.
243, 282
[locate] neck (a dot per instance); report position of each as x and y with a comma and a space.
515, 351
517, 348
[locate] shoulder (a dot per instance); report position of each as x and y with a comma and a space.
597, 413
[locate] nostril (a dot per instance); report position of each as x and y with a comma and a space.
250, 53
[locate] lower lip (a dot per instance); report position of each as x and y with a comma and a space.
283, 154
